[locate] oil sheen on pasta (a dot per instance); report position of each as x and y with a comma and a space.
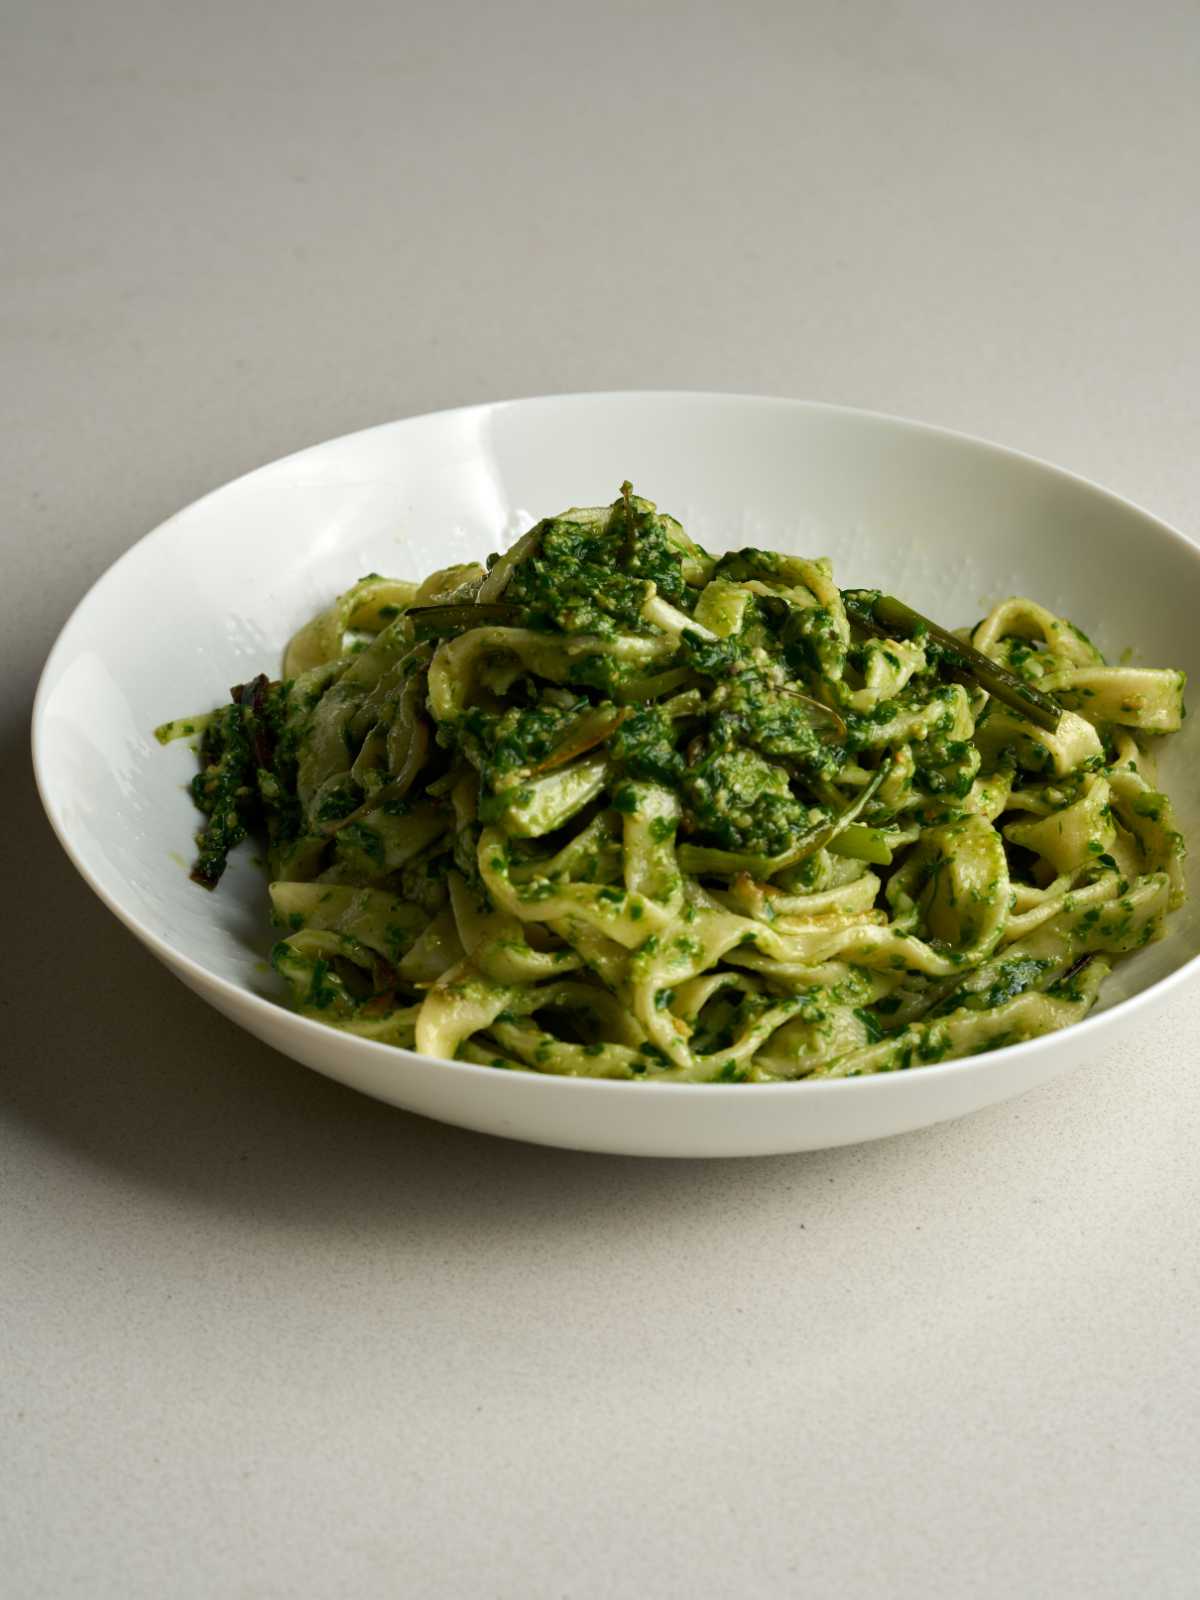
613, 807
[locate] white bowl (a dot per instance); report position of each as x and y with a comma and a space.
207, 600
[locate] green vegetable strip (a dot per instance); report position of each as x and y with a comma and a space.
857, 843
888, 617
431, 622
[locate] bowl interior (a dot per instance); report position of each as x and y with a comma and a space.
949, 523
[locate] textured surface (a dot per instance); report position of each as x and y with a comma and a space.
263, 1337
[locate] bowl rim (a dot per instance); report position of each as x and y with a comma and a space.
180, 962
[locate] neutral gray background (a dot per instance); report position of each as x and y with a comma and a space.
262, 1337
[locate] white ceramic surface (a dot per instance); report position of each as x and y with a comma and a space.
950, 523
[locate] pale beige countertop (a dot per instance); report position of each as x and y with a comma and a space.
261, 1337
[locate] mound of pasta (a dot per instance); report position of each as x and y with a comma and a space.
610, 806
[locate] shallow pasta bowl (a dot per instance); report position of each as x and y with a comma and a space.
952, 524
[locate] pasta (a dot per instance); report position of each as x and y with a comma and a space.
611, 806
